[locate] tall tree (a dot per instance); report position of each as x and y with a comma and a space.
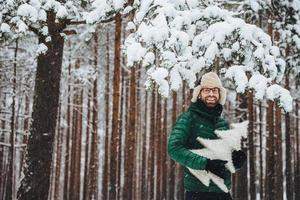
115, 140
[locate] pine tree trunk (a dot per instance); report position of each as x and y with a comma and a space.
151, 160
252, 152
107, 119
93, 170
115, 140
68, 141
10, 188
172, 165
164, 151
2, 156
240, 177
278, 155
144, 150
86, 191
76, 142
157, 147
130, 139
270, 169
36, 181
288, 157
261, 182
58, 157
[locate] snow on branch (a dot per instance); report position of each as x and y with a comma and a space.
189, 38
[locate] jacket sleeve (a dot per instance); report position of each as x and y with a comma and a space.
177, 144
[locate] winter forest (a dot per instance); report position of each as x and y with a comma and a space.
90, 90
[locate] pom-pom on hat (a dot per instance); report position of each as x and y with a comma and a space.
211, 80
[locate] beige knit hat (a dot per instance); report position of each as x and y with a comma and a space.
210, 79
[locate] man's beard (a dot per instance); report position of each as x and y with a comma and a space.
210, 101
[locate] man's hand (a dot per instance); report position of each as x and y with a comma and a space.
238, 158
216, 167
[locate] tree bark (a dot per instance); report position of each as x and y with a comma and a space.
130, 139
270, 169
115, 140
278, 155
36, 181
171, 174
10, 187
252, 152
107, 119
288, 156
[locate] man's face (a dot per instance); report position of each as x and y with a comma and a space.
210, 96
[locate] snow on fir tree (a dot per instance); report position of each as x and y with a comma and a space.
183, 39
229, 140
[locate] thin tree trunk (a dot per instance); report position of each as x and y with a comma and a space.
115, 140
93, 170
171, 175
251, 139
261, 190
2, 156
164, 151
240, 177
278, 155
150, 177
107, 119
144, 150
87, 150
158, 148
11, 185
130, 139
288, 157
58, 156
270, 169
76, 143
68, 141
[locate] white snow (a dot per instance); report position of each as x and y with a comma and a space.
276, 92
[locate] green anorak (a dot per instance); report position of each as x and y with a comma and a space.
197, 121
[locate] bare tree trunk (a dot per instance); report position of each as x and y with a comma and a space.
11, 185
130, 140
58, 156
240, 177
115, 140
93, 170
2, 156
179, 169
288, 157
278, 155
144, 151
171, 174
261, 182
86, 191
164, 165
106, 156
76, 143
270, 169
150, 176
157, 147
36, 181
68, 141
251, 139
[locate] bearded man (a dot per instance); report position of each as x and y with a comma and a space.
201, 119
